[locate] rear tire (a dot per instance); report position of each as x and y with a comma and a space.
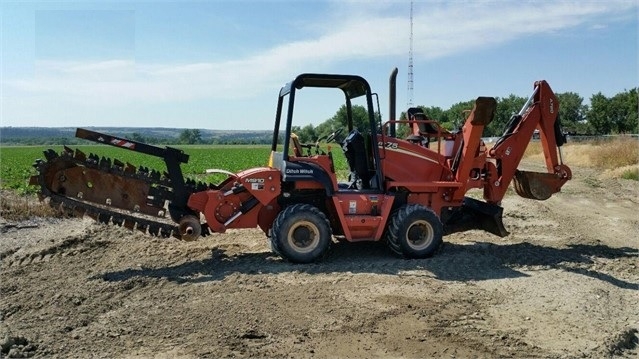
415, 231
301, 234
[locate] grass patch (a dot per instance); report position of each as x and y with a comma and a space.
632, 174
17, 207
605, 155
617, 157
534, 149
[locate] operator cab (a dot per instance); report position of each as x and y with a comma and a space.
300, 164
354, 147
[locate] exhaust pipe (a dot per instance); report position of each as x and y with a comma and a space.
392, 100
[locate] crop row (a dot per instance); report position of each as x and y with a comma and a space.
16, 162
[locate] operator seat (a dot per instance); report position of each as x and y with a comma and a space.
425, 129
355, 151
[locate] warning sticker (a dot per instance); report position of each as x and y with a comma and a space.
352, 207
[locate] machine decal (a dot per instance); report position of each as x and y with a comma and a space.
122, 143
256, 183
352, 207
302, 171
392, 145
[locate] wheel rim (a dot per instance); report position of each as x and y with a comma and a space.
303, 236
420, 235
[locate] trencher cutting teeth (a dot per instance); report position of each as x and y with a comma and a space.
72, 181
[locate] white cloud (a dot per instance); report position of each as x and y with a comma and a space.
374, 30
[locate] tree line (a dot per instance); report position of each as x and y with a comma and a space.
55, 136
604, 116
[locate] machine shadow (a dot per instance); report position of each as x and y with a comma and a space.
453, 262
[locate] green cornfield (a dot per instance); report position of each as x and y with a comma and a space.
16, 161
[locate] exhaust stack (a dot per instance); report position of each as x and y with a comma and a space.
392, 100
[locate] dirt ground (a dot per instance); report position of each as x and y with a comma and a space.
564, 284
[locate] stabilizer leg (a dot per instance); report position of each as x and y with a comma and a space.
475, 214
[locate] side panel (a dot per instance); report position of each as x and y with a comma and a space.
403, 161
363, 216
298, 171
424, 172
263, 183
240, 203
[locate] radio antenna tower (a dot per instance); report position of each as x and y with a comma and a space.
410, 61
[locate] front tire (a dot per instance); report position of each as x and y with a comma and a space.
415, 231
301, 234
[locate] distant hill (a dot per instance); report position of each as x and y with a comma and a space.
153, 135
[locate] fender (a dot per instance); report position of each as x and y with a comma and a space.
305, 171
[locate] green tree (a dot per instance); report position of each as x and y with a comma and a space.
190, 136
437, 114
325, 128
572, 112
456, 115
340, 120
618, 114
614, 115
136, 136
599, 114
623, 108
307, 133
506, 108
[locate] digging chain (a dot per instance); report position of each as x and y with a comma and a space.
159, 184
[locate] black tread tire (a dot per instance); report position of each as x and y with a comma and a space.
391, 238
274, 248
403, 220
287, 219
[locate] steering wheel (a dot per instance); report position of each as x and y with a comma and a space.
332, 136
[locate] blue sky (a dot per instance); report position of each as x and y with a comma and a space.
220, 64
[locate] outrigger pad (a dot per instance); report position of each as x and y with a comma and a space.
475, 214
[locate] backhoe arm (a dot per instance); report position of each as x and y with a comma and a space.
493, 169
539, 112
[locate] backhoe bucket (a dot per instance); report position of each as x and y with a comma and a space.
475, 214
537, 185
